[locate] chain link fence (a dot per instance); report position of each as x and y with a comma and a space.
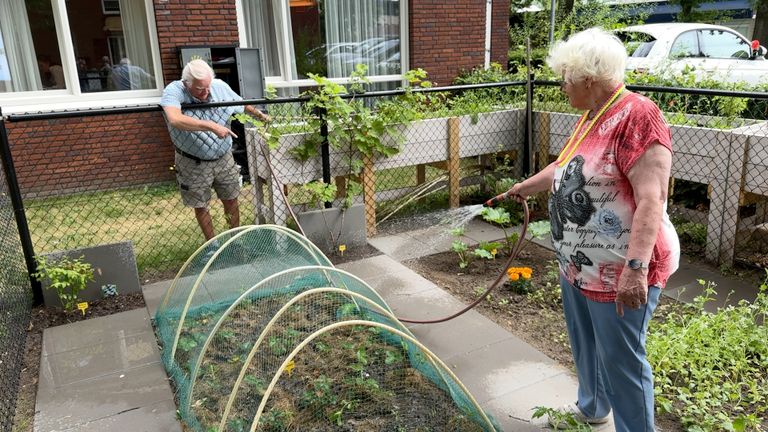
108, 176
15, 304
719, 187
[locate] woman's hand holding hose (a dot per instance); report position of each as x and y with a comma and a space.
517, 193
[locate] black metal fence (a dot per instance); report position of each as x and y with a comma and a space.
15, 298
104, 176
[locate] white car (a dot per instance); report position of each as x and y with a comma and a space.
711, 51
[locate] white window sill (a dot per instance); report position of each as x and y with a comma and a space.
67, 102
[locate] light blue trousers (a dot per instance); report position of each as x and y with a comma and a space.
610, 358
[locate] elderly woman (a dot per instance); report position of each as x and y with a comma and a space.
615, 244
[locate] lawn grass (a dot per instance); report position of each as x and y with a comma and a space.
164, 232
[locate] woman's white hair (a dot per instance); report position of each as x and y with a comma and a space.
593, 53
196, 69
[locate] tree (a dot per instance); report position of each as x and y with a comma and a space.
687, 6
761, 21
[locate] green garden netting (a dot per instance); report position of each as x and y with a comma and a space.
259, 332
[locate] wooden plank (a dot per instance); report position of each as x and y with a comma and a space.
368, 179
454, 148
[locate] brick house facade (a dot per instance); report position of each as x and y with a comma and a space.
98, 152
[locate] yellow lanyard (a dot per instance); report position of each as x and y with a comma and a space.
571, 145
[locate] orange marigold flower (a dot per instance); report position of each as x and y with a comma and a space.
514, 276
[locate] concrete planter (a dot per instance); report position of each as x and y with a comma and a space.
329, 228
112, 264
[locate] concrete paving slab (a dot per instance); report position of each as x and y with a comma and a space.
88, 400
402, 248
500, 368
160, 416
519, 403
95, 331
154, 294
370, 268
69, 367
104, 374
460, 335
684, 286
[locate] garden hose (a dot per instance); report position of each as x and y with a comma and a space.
265, 152
515, 251
490, 203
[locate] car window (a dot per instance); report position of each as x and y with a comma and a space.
686, 45
723, 44
638, 44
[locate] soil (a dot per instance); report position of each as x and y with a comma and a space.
352, 378
43, 318
537, 320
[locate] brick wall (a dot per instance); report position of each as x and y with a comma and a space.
192, 22
55, 157
448, 37
500, 32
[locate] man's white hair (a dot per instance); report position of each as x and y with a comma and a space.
593, 53
196, 69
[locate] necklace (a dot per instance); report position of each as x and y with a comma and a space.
571, 145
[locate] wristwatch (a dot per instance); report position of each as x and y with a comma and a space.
636, 264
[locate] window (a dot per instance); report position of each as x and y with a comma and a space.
722, 44
110, 7
686, 45
103, 52
327, 38
638, 44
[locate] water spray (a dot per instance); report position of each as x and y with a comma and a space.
490, 203
515, 251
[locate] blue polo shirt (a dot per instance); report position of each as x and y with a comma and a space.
203, 144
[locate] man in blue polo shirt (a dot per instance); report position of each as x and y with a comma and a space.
203, 142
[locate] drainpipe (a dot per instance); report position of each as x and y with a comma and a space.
488, 15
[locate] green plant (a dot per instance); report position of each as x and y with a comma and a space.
66, 276
564, 421
460, 247
549, 294
500, 217
487, 250
711, 369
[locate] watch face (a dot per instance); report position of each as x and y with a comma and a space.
635, 264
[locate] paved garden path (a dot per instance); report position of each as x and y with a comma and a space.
105, 374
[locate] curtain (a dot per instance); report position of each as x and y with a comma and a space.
19, 47
136, 34
374, 25
263, 19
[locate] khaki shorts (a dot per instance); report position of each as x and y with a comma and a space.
197, 178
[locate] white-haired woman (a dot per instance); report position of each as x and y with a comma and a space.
614, 242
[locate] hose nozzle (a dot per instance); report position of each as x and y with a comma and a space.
497, 199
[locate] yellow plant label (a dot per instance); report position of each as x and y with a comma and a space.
289, 367
82, 306
342, 248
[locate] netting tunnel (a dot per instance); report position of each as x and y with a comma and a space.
261, 333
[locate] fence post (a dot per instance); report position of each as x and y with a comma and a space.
528, 168
325, 150
454, 160
18, 210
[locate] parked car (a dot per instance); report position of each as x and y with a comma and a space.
710, 51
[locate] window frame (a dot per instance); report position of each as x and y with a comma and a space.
72, 97
285, 81
695, 33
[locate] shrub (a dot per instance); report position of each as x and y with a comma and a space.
67, 276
